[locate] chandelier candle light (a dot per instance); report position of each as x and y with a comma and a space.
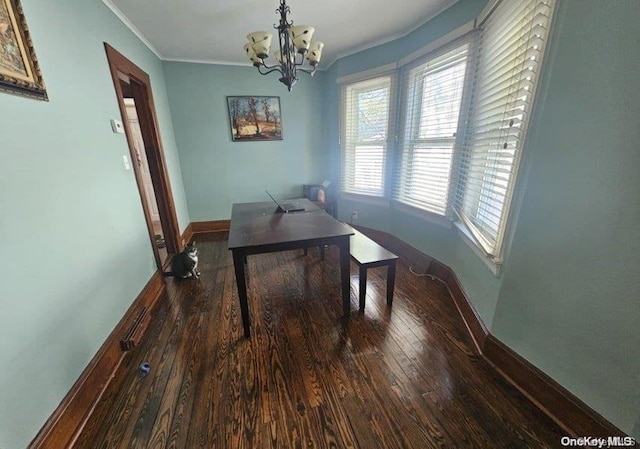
294, 41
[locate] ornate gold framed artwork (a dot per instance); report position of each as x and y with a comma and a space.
19, 70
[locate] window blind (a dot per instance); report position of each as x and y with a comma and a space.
366, 110
432, 98
506, 73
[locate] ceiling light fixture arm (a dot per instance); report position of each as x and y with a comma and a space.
270, 69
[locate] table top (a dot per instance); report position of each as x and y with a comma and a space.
256, 224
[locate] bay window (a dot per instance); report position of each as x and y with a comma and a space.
463, 115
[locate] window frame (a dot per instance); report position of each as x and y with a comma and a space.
493, 255
386, 72
471, 33
410, 139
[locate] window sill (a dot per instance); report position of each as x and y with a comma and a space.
376, 200
464, 233
438, 220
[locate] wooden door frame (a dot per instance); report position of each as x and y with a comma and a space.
148, 121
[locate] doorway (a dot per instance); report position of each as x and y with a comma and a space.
139, 157
135, 99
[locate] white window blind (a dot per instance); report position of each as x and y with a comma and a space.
432, 98
510, 51
366, 109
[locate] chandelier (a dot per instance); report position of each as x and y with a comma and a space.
295, 44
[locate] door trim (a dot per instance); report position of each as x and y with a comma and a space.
153, 146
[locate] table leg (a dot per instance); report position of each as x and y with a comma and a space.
345, 273
241, 282
363, 286
391, 281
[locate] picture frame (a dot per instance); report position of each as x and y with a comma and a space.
254, 118
19, 69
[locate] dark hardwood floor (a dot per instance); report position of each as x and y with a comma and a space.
400, 377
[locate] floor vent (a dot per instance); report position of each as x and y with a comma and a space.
136, 330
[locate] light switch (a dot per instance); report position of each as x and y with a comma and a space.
117, 126
127, 166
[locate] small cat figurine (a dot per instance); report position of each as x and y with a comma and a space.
184, 265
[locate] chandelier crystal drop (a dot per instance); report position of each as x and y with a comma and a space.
295, 46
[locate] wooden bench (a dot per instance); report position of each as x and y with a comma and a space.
368, 254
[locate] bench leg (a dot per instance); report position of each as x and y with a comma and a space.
391, 280
345, 265
322, 252
363, 286
306, 250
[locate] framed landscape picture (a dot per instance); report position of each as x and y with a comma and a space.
254, 118
19, 70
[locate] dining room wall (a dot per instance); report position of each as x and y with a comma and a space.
217, 171
75, 247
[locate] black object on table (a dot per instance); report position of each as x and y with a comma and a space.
258, 228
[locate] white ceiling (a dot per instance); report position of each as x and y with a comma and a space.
215, 30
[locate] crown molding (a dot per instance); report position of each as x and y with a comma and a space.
392, 37
438, 43
208, 61
217, 62
120, 15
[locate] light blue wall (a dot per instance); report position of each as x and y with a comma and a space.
443, 244
567, 298
71, 221
75, 247
570, 299
218, 172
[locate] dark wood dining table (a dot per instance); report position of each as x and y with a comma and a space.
258, 228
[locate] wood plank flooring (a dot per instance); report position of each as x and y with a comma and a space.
399, 377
